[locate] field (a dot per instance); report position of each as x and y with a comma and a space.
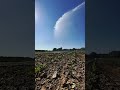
16, 73
103, 74
60, 70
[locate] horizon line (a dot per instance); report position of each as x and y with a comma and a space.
60, 47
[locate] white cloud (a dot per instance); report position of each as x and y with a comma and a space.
36, 14
39, 12
64, 21
78, 7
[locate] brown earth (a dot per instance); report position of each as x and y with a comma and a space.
60, 71
16, 76
103, 74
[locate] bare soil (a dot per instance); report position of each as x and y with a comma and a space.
60, 71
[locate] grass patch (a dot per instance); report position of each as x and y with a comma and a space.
39, 68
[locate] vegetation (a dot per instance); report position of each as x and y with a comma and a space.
73, 49
39, 68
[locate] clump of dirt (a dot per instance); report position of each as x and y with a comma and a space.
60, 71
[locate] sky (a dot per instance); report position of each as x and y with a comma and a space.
59, 23
17, 29
102, 31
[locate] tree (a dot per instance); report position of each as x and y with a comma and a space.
93, 54
74, 49
54, 49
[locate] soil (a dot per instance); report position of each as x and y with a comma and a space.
61, 71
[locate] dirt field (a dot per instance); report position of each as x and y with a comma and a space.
103, 74
60, 71
16, 74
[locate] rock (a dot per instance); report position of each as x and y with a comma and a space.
43, 88
73, 86
37, 79
54, 75
74, 72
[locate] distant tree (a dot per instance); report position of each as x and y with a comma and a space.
54, 49
93, 54
114, 54
74, 49
60, 49
82, 49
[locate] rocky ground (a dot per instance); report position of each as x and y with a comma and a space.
60, 71
103, 74
110, 73
16, 75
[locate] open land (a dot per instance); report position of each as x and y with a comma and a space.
103, 74
17, 73
60, 70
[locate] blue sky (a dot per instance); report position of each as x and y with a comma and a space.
59, 23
